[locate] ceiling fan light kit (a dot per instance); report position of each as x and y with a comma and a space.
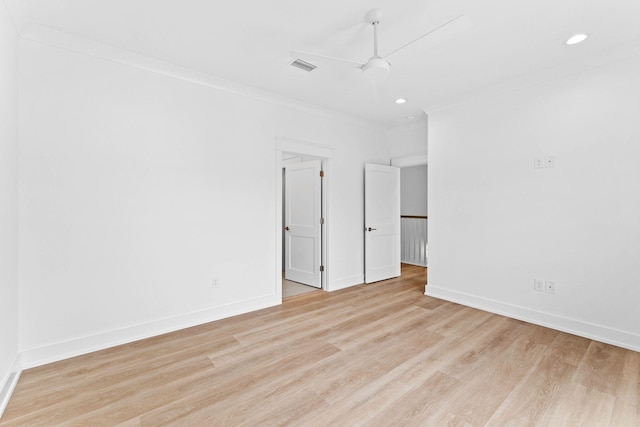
376, 69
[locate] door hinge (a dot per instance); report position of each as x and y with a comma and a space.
321, 221
322, 268
321, 174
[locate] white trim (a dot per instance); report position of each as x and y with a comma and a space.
416, 264
9, 383
420, 122
64, 350
565, 324
409, 160
325, 153
295, 146
48, 36
347, 282
291, 161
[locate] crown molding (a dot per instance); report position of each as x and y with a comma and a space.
51, 37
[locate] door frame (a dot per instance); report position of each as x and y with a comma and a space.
303, 148
417, 159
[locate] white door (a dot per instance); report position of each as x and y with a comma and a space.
302, 227
382, 222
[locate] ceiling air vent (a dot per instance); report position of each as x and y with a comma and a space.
303, 65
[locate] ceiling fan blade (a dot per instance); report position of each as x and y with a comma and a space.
439, 34
326, 59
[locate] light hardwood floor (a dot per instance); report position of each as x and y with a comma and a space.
380, 355
291, 289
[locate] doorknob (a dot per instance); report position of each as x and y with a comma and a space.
371, 229
287, 228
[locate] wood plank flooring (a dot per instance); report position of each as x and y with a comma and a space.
291, 289
377, 355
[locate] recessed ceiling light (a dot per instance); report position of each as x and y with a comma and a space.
577, 38
400, 101
411, 117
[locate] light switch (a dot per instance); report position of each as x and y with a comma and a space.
549, 161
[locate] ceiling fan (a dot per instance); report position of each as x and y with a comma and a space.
378, 66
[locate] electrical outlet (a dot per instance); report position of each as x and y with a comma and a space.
550, 286
549, 161
538, 285
214, 283
538, 163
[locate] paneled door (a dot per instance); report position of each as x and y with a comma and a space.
302, 223
382, 222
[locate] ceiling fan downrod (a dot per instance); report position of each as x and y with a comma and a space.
377, 67
375, 39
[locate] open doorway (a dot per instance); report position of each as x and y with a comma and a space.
414, 210
413, 215
290, 152
303, 220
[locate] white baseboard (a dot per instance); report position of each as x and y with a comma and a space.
413, 263
347, 282
9, 384
64, 350
592, 331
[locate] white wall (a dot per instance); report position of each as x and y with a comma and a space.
413, 188
138, 188
408, 139
8, 197
496, 223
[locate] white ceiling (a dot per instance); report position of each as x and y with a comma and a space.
249, 42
